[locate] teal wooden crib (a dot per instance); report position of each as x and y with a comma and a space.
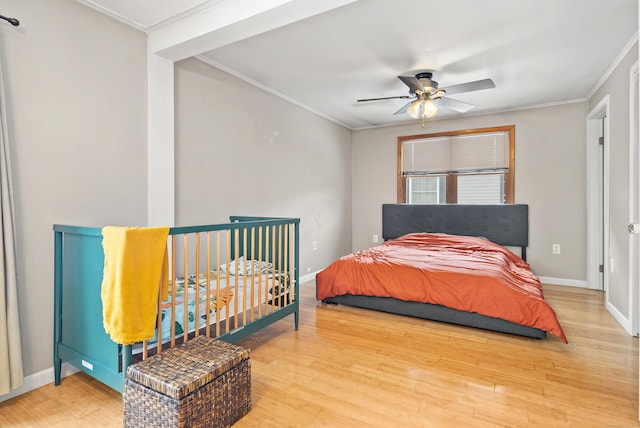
227, 281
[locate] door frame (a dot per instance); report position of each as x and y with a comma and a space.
596, 241
634, 198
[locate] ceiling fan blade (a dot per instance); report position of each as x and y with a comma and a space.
404, 108
413, 83
385, 98
470, 86
455, 105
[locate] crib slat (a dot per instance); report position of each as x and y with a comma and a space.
268, 256
159, 313
228, 256
173, 292
274, 256
244, 277
285, 263
278, 290
290, 258
185, 324
236, 255
291, 275
218, 306
253, 274
196, 320
260, 233
208, 279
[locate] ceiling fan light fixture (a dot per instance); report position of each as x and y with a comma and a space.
415, 109
422, 109
430, 108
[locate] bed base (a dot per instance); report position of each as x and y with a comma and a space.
439, 313
79, 336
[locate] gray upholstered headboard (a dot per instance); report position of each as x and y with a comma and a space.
506, 224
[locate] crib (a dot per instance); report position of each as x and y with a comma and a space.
227, 281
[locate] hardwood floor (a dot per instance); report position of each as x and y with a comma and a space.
349, 367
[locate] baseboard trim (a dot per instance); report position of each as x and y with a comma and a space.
618, 316
563, 281
38, 380
308, 277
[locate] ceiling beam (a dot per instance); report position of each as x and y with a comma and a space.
230, 21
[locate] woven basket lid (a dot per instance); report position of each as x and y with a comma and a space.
179, 371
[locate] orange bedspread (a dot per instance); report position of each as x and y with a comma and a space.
460, 272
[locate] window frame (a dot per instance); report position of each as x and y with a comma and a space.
451, 179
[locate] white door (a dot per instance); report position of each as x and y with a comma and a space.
601, 122
635, 121
634, 201
598, 195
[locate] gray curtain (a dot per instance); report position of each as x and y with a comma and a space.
11, 371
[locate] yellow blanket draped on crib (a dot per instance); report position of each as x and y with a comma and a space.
135, 265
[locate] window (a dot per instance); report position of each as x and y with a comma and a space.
461, 167
426, 190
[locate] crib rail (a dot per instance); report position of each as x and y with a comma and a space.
227, 281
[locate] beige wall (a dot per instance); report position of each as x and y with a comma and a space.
76, 104
550, 173
617, 87
242, 151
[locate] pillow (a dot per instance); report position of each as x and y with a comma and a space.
246, 267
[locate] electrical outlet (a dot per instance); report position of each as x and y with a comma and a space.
315, 245
375, 238
555, 248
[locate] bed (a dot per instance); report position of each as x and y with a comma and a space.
226, 281
509, 300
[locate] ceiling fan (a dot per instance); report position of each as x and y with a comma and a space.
426, 94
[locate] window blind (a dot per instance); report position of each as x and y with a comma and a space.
431, 155
463, 153
481, 189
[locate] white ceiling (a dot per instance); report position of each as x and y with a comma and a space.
538, 52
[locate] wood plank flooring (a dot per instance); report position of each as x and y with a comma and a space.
349, 367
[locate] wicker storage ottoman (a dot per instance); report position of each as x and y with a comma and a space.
202, 383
